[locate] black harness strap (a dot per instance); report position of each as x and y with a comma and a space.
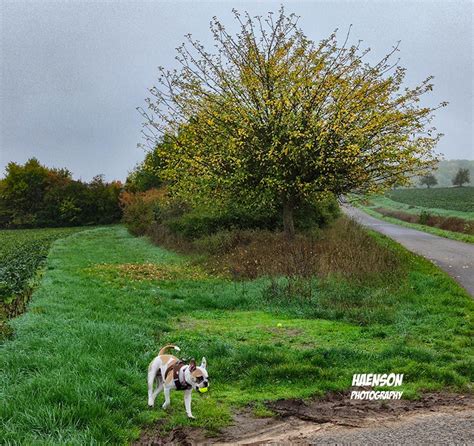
176, 367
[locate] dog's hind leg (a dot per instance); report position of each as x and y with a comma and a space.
159, 388
152, 374
167, 397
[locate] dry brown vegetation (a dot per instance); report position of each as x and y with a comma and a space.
343, 249
126, 272
454, 224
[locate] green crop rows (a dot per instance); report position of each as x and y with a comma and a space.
454, 198
22, 252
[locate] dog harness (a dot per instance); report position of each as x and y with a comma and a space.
176, 368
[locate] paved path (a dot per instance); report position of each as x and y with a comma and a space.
456, 258
426, 429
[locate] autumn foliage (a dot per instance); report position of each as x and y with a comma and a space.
272, 119
33, 195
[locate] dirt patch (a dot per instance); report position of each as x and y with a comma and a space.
297, 421
340, 409
290, 332
153, 436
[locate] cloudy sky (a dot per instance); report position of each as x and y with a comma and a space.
73, 72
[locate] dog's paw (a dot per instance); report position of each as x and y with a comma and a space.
165, 406
150, 405
191, 417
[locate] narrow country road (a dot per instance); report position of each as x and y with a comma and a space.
456, 258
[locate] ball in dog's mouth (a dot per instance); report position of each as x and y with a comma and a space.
203, 389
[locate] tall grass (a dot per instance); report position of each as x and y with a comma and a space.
343, 249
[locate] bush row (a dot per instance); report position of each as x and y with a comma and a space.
32, 196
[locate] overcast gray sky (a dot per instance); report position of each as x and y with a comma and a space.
73, 72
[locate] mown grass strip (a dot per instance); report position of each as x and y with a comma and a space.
22, 251
22, 255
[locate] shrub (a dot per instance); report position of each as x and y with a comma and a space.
424, 217
201, 222
223, 241
142, 209
322, 211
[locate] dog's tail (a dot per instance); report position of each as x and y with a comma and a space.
166, 347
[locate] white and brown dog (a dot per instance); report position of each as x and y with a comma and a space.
168, 373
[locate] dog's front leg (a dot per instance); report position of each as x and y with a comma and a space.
167, 402
187, 402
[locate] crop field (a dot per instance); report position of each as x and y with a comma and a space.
453, 198
22, 252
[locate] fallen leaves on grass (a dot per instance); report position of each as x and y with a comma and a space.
147, 271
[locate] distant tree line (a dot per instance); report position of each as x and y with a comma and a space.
461, 177
33, 195
446, 171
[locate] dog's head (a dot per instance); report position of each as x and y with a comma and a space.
197, 376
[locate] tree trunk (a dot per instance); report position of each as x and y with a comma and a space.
288, 220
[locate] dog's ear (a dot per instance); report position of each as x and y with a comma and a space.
203, 363
192, 365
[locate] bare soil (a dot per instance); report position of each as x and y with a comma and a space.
300, 421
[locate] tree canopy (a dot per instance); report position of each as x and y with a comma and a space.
33, 195
462, 176
428, 180
272, 118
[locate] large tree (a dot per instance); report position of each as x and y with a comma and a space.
428, 180
462, 176
272, 117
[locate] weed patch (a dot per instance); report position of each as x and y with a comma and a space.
344, 249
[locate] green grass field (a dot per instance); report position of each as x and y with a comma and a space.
452, 198
22, 255
75, 370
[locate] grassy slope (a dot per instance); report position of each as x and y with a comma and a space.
75, 370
